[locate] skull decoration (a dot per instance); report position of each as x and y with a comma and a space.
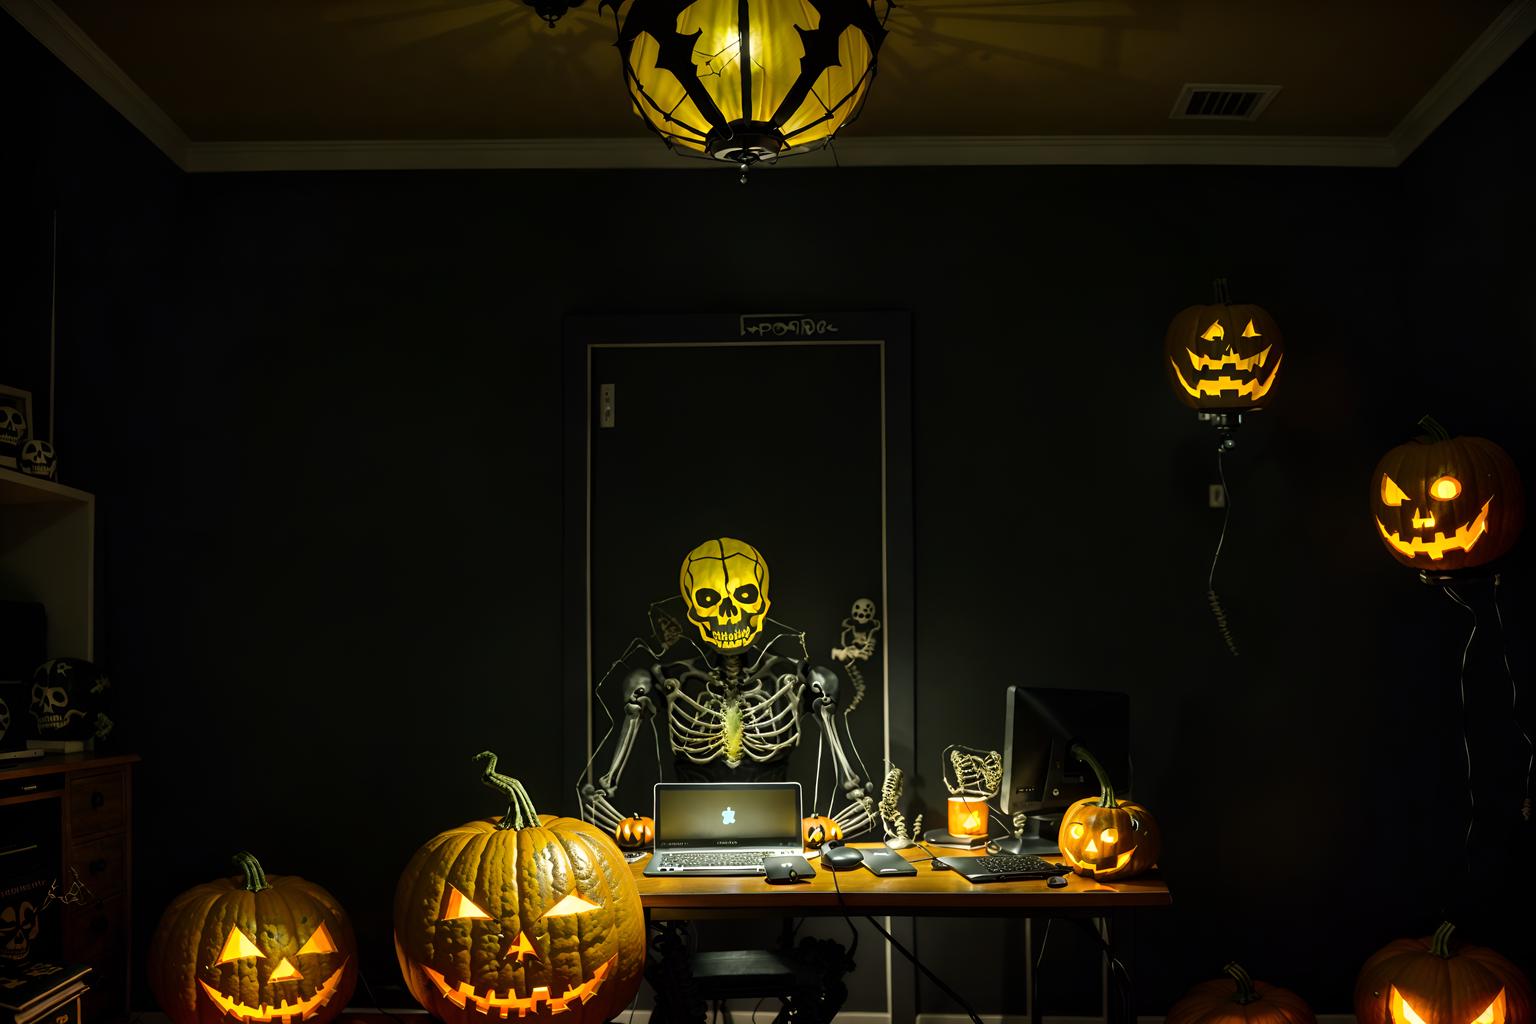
37, 459
254, 950
13, 430
19, 924
1447, 503
68, 696
863, 612
725, 584
531, 915
1223, 357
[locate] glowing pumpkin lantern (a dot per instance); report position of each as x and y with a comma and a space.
254, 949
531, 915
1253, 1002
1422, 981
1102, 837
1447, 503
1223, 356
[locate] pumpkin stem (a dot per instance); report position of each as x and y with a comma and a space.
1106, 790
520, 811
255, 878
1436, 431
1440, 943
1245, 990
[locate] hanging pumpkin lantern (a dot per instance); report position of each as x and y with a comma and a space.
1104, 838
635, 832
1223, 356
254, 949
1422, 981
817, 830
1447, 503
748, 80
529, 915
1252, 1002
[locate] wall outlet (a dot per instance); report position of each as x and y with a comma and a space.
1218, 496
605, 410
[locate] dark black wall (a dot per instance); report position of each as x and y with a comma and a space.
322, 412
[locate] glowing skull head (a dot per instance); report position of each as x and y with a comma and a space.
725, 585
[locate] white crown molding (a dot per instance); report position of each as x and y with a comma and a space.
69, 43
1503, 36
644, 151
56, 31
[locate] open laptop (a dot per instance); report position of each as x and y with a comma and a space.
723, 828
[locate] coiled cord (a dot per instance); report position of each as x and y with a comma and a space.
1210, 581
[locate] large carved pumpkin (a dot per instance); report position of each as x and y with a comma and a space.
252, 950
532, 915
1249, 1002
1104, 838
1445, 503
1423, 981
1223, 356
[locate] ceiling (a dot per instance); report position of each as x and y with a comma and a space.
237, 75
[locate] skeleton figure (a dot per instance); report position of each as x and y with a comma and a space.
858, 644
735, 711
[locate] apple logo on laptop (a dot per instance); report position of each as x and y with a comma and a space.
728, 816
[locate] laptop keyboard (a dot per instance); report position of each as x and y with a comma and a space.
712, 859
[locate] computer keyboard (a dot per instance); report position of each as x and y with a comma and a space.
1008, 867
711, 859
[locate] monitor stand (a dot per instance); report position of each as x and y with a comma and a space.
1038, 837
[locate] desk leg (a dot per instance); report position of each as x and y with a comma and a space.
670, 974
1030, 981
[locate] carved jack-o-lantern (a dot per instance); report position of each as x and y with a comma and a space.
1102, 837
255, 949
1223, 356
816, 830
1250, 1002
635, 832
1422, 981
1447, 503
725, 584
527, 916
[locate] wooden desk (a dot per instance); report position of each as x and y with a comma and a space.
929, 893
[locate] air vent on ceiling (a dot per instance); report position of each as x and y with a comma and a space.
1203, 102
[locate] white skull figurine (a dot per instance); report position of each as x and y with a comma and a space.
37, 459
863, 611
13, 427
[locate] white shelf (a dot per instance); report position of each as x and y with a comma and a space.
47, 554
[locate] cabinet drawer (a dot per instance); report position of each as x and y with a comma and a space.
97, 803
102, 864
97, 934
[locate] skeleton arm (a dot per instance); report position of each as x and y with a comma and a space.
596, 798
858, 813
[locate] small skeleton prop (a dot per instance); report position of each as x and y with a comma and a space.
858, 644
898, 834
972, 772
739, 704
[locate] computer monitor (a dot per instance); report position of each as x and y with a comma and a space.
1041, 777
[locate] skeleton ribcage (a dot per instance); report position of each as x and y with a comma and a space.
753, 723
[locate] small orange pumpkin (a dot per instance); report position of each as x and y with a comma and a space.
818, 829
1253, 1002
1421, 981
1102, 837
635, 832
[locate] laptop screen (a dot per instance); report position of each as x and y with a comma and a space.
724, 815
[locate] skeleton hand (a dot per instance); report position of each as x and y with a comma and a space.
597, 808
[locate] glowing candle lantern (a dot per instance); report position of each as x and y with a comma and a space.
968, 817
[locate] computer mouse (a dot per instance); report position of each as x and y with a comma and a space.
841, 858
1057, 881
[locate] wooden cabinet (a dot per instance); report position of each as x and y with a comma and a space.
93, 796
